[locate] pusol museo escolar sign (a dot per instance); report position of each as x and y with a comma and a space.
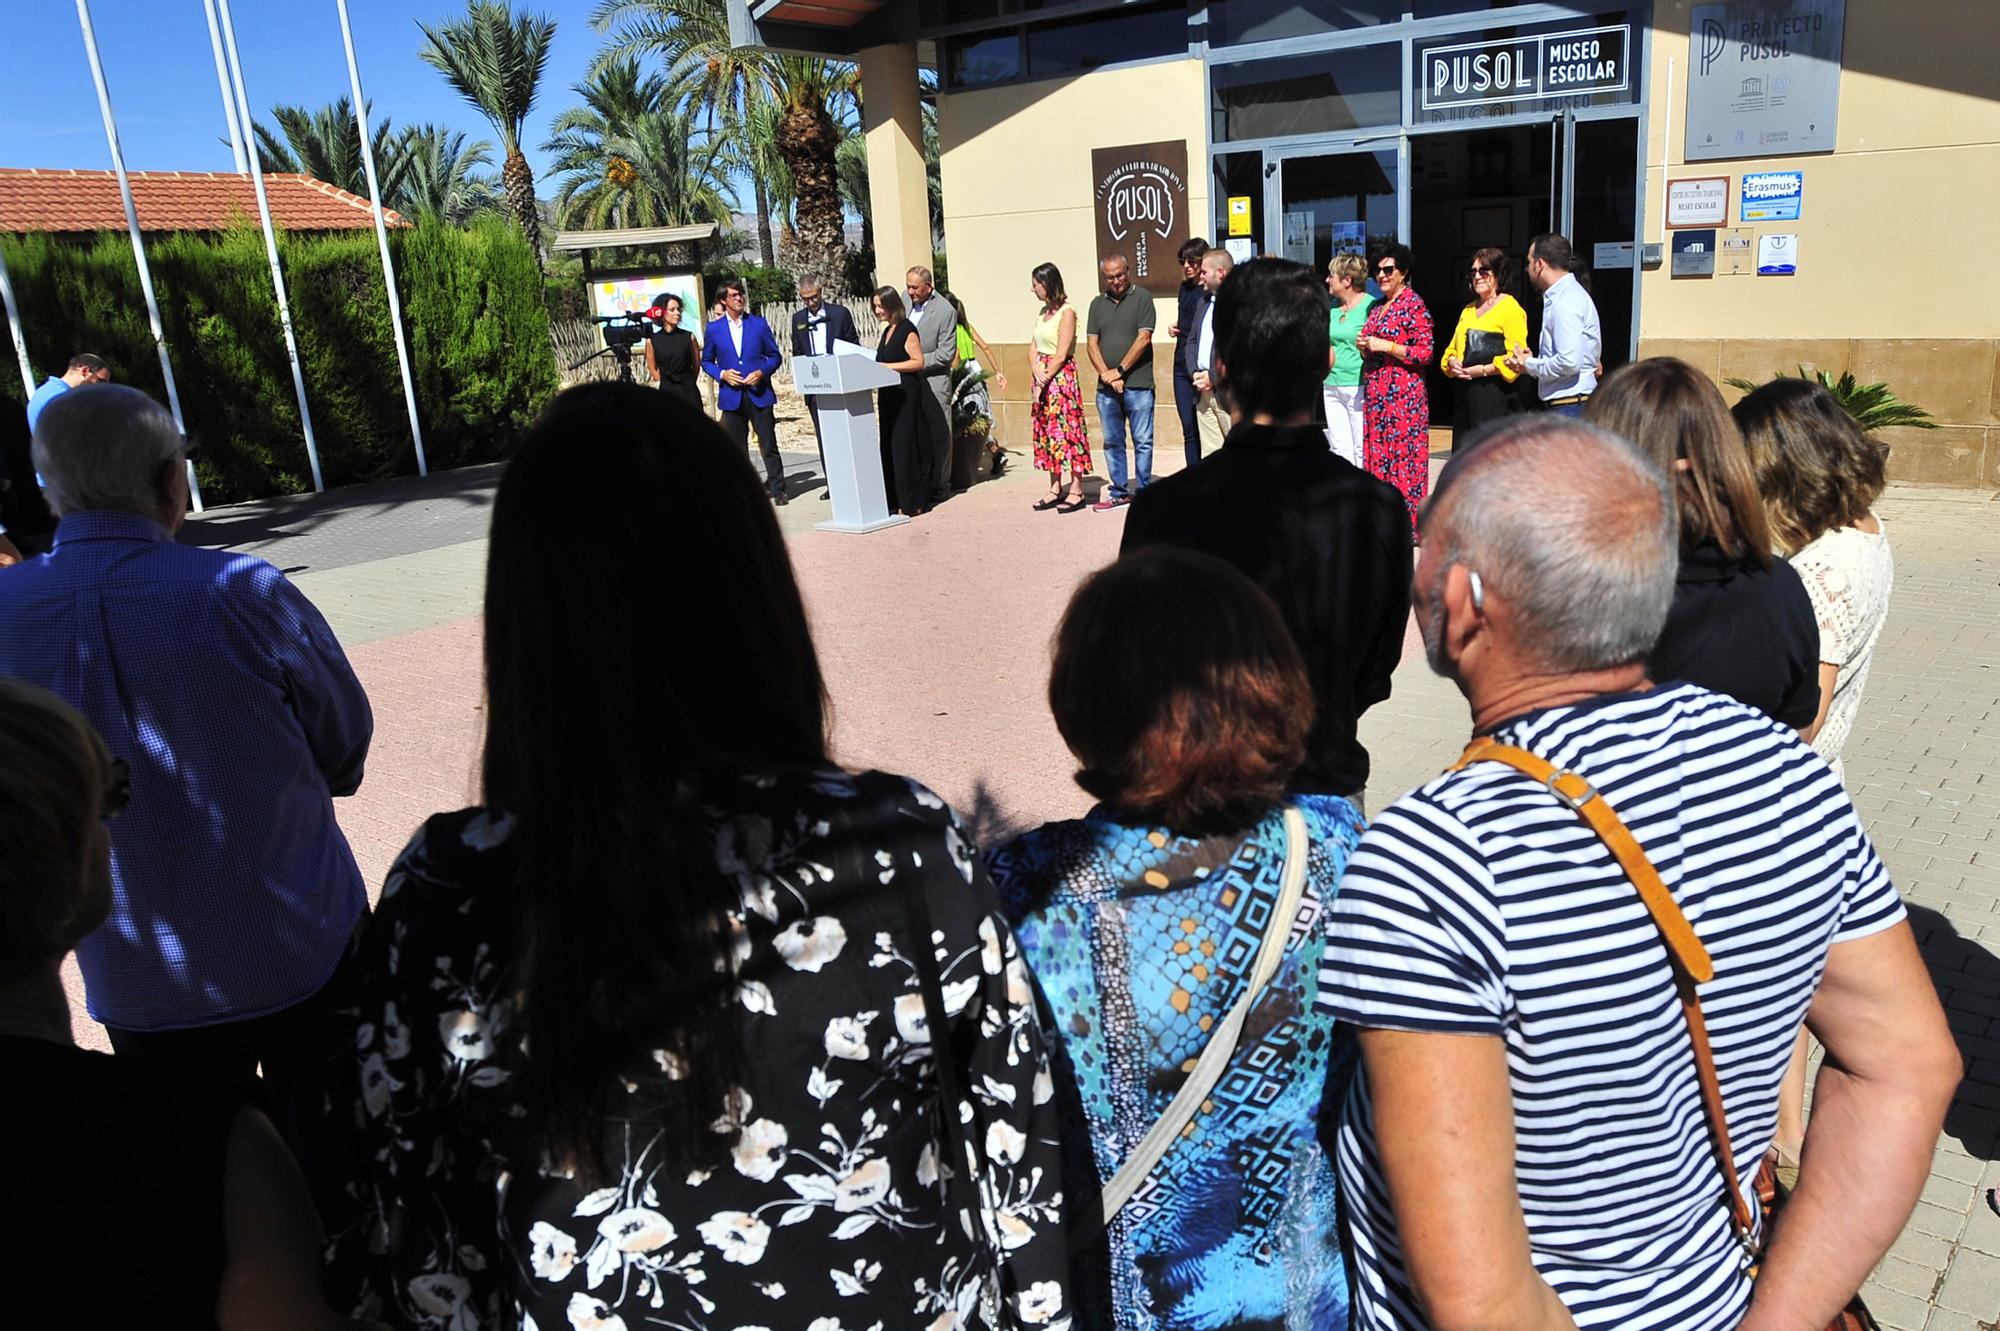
1140, 200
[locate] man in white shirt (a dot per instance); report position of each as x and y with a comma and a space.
1211, 421
1571, 346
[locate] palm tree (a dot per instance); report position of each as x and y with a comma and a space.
655, 169
440, 174
326, 144
771, 177
495, 61
691, 38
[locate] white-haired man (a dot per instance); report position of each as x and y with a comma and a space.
1528, 1144
226, 695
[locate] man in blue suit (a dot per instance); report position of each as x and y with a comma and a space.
740, 354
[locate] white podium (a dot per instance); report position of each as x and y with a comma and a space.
844, 382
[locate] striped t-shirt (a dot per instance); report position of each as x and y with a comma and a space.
1481, 905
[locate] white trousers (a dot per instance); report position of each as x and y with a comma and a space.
1343, 421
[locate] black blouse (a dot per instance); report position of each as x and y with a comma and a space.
1744, 629
673, 358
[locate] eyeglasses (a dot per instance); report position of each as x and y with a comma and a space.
1385, 270
117, 789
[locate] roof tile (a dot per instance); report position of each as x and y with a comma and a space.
38, 200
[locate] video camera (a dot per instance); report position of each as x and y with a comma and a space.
622, 332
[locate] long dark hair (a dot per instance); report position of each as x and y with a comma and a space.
644, 637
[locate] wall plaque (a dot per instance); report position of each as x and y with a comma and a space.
1141, 207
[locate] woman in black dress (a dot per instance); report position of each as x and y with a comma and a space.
909, 451
673, 353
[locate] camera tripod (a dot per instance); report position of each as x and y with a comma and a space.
623, 355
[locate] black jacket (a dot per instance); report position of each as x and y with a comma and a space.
839, 326
1329, 542
1742, 628
1188, 321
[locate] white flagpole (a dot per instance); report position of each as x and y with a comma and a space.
132, 225
382, 239
14, 327
238, 137
270, 244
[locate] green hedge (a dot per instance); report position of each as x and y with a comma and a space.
479, 342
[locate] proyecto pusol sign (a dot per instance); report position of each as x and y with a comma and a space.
1581, 62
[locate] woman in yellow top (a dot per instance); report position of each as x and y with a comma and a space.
1490, 327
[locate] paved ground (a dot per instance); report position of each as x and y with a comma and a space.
934, 640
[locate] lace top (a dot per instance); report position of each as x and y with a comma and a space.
1848, 573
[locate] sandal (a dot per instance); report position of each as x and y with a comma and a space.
1050, 501
1076, 505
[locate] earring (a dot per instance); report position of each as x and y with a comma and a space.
1478, 590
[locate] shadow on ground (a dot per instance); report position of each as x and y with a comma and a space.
1968, 981
236, 526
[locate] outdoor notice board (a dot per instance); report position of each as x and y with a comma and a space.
1140, 199
1763, 77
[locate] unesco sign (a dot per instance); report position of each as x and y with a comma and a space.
1547, 66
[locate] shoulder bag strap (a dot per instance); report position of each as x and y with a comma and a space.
1221, 1041
1690, 960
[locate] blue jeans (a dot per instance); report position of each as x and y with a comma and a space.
1571, 409
1133, 407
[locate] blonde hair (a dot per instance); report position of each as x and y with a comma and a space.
52, 772
1350, 268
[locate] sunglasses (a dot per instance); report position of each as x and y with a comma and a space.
1482, 272
1385, 270
117, 789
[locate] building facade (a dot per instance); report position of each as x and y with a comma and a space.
1736, 175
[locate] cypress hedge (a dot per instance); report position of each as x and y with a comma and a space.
472, 305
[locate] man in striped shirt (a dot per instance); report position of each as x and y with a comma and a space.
1525, 1146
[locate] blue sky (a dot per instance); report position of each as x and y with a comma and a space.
161, 72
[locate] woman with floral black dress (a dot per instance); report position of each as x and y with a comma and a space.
646, 1040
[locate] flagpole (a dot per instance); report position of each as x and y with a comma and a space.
138, 245
382, 239
14, 326
270, 243
237, 135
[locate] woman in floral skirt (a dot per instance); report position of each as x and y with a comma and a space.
1396, 345
1059, 434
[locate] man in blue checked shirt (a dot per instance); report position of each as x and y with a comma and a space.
223, 689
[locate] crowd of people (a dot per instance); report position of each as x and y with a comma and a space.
686, 1025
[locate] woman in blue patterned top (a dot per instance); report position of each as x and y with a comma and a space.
1186, 703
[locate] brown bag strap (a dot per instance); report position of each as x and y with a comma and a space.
1690, 960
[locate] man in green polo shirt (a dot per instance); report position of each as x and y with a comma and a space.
1120, 332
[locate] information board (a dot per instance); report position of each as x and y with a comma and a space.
1763, 77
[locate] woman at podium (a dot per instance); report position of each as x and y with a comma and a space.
909, 453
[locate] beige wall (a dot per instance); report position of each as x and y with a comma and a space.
1017, 186
1896, 280
1915, 174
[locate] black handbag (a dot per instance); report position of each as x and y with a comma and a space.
1482, 347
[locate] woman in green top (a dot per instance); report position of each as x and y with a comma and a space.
1347, 282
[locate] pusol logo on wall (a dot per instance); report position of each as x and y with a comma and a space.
1141, 203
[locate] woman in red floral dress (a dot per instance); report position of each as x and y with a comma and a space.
1396, 411
1060, 436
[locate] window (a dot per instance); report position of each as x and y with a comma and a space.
974, 62
1087, 43
1322, 93
1235, 21
1239, 176
1054, 47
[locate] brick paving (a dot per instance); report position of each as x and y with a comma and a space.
934, 638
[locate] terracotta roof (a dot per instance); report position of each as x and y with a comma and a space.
32, 200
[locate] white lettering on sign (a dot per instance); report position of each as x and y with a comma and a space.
1561, 64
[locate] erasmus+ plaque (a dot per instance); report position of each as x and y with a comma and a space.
1141, 202
1763, 77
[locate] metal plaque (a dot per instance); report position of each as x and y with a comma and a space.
1694, 254
1763, 77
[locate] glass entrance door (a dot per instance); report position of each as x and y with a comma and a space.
1600, 217
1321, 204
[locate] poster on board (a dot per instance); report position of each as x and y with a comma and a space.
634, 295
